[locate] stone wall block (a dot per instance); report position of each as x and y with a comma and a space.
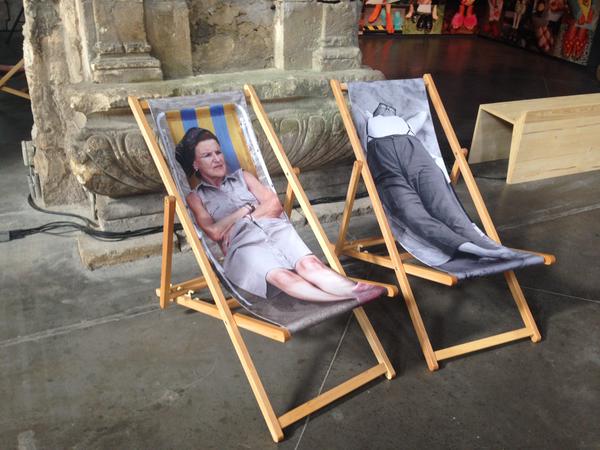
84, 57
122, 49
114, 163
168, 32
311, 136
296, 33
47, 71
231, 35
338, 49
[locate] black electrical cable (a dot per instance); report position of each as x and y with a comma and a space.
90, 223
320, 200
483, 177
59, 228
63, 227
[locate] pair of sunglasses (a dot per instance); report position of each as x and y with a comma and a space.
384, 110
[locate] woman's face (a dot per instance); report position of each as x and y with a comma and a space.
209, 160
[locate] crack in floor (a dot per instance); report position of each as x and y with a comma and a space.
333, 358
59, 331
574, 297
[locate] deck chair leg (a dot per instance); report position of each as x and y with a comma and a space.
415, 316
455, 172
374, 342
256, 385
11, 72
8, 76
167, 251
288, 204
350, 197
522, 305
326, 246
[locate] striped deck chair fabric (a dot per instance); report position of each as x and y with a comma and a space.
226, 115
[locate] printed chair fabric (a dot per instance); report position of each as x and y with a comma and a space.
226, 115
424, 189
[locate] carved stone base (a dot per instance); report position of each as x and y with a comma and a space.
129, 69
109, 157
336, 58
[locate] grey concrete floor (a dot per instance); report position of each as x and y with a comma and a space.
88, 361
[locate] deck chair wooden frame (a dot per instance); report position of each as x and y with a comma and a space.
11, 72
396, 261
223, 308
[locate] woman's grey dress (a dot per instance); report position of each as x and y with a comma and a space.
255, 246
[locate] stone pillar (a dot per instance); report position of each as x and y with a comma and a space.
122, 50
338, 48
84, 57
313, 35
168, 32
295, 33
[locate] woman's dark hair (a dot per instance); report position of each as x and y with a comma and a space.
185, 151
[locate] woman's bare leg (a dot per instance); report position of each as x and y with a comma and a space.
293, 284
312, 269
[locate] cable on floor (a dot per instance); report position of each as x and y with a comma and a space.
62, 227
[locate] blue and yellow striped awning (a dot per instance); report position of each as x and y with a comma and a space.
223, 121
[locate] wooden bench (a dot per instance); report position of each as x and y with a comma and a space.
542, 138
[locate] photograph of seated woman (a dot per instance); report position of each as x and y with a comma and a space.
414, 190
246, 219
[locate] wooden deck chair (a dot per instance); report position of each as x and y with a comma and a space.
226, 115
11, 71
404, 263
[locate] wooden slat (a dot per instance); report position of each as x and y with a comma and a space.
348, 205
331, 395
167, 251
481, 344
18, 67
257, 326
194, 284
8, 75
455, 172
6, 68
16, 92
392, 289
411, 269
288, 203
207, 271
431, 274
365, 242
383, 261
522, 305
